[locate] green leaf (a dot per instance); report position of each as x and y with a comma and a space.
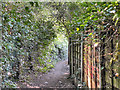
26, 8
114, 17
116, 21
36, 4
32, 3
82, 25
77, 29
90, 34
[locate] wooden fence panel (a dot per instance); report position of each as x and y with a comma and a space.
89, 65
85, 63
116, 62
74, 59
100, 69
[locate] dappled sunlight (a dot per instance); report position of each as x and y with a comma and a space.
60, 44
28, 86
66, 73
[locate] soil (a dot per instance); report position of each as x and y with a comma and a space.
58, 77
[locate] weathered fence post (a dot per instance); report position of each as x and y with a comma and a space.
111, 32
99, 61
103, 83
1, 43
82, 57
69, 54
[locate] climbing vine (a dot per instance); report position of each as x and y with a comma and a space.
22, 37
28, 30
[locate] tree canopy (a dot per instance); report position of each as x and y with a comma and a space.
29, 28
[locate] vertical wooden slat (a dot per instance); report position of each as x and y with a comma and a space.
89, 66
69, 43
81, 74
99, 64
69, 55
79, 61
95, 61
71, 59
116, 65
85, 64
112, 81
82, 57
75, 56
103, 83
93, 68
0, 42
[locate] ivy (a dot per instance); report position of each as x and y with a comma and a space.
22, 36
30, 32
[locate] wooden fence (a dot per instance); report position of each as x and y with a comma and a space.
74, 51
95, 59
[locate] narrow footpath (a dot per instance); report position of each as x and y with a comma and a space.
58, 77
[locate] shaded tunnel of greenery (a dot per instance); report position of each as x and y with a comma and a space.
35, 34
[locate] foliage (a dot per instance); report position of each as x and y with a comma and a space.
30, 29
59, 48
22, 36
86, 15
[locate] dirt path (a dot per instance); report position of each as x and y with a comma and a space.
56, 78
